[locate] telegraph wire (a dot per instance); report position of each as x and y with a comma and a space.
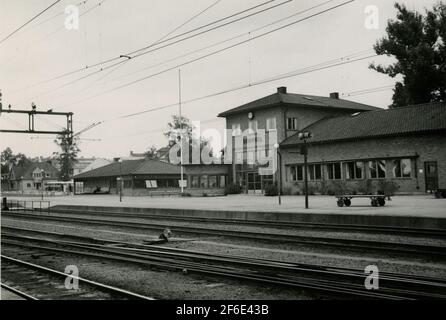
209, 54
29, 21
317, 67
106, 61
256, 83
163, 37
367, 91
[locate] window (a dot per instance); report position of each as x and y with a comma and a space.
194, 182
334, 171
291, 123
239, 157
204, 181
402, 168
297, 173
163, 183
377, 169
271, 124
151, 184
222, 181
212, 181
28, 185
354, 170
236, 129
127, 183
253, 125
48, 175
37, 175
314, 172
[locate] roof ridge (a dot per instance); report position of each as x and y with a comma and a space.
140, 165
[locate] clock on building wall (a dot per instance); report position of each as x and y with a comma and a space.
250, 116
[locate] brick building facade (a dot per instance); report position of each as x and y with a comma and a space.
399, 150
356, 148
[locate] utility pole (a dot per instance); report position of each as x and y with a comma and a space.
304, 150
181, 130
279, 160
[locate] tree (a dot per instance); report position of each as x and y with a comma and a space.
152, 153
8, 158
418, 42
185, 125
67, 156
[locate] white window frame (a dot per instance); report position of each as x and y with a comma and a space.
151, 184
253, 125
291, 125
236, 129
331, 166
269, 122
400, 163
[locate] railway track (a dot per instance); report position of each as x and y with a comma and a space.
35, 282
400, 248
404, 231
327, 280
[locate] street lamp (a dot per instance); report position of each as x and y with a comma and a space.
279, 162
120, 180
304, 150
42, 172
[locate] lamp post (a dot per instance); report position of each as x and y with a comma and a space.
42, 172
304, 150
120, 180
279, 162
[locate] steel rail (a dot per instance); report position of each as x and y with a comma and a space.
161, 250
101, 286
315, 285
18, 292
394, 247
281, 267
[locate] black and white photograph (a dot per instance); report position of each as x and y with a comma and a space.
223, 156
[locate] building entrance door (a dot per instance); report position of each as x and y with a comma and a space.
254, 182
431, 175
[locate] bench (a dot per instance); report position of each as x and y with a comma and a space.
376, 199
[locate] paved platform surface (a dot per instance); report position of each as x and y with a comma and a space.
400, 206
8, 295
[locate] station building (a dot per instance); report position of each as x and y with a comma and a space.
139, 177
283, 114
356, 148
401, 150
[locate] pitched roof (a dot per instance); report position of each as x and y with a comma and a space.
26, 170
411, 119
301, 100
131, 167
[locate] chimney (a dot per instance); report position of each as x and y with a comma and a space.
281, 90
334, 95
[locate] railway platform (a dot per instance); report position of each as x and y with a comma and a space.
422, 211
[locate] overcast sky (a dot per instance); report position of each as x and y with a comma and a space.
45, 49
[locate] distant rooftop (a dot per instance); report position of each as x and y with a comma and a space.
281, 97
131, 167
422, 118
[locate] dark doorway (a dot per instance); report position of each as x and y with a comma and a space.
431, 175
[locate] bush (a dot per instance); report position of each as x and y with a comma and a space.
186, 195
233, 189
271, 190
287, 191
